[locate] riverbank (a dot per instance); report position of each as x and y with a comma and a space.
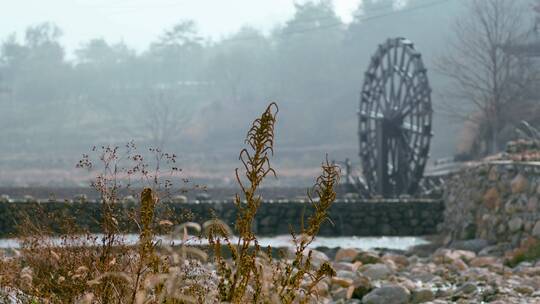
414, 276
445, 276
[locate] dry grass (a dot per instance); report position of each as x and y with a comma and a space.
84, 269
529, 251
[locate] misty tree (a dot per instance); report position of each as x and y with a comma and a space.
310, 54
164, 114
96, 95
33, 66
99, 54
177, 54
371, 7
241, 66
309, 48
105, 72
487, 80
12, 55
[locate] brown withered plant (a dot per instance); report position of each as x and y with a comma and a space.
290, 277
236, 278
244, 278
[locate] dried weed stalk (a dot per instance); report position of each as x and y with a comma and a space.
245, 278
297, 280
236, 278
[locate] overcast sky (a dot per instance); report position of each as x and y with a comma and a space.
138, 22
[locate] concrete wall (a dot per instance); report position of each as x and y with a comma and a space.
360, 218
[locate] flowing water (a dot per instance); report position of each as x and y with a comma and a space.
397, 243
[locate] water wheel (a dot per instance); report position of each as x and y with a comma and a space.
395, 117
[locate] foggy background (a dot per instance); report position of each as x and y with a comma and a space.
190, 76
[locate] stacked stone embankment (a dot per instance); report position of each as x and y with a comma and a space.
413, 217
496, 201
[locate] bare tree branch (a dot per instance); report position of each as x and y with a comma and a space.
485, 76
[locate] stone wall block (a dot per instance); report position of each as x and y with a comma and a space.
519, 184
536, 230
493, 174
492, 198
532, 204
515, 224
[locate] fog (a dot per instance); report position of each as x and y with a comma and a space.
190, 80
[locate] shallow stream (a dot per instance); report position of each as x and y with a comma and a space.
364, 243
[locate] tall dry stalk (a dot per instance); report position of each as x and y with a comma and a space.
236, 278
243, 279
147, 254
291, 277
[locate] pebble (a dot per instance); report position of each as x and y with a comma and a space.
394, 294
447, 276
376, 271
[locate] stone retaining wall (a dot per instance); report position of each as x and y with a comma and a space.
496, 201
360, 218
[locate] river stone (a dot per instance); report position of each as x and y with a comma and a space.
367, 258
317, 258
394, 294
422, 295
343, 282
346, 255
339, 293
342, 266
442, 256
376, 271
362, 286
347, 301
515, 224
483, 261
322, 288
526, 290
475, 245
466, 288
398, 259
353, 301
460, 265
